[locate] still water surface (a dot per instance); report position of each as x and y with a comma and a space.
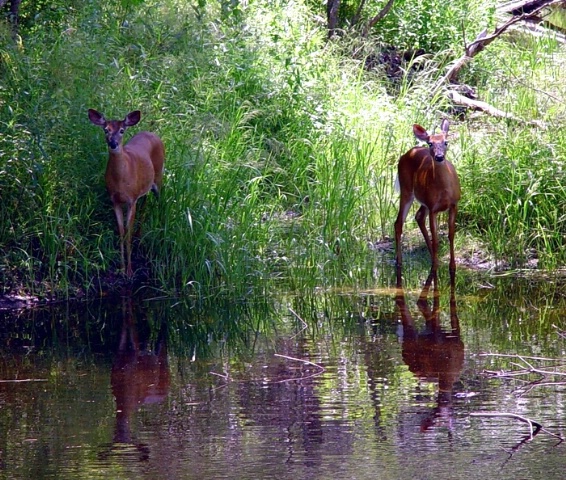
372, 384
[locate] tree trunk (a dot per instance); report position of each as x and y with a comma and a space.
332, 10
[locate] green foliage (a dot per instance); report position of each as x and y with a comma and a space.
280, 150
517, 198
434, 25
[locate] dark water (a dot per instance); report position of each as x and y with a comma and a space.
354, 385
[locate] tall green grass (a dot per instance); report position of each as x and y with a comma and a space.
281, 149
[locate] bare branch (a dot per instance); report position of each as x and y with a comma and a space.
380, 16
537, 426
321, 369
487, 108
483, 40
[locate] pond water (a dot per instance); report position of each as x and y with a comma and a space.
365, 384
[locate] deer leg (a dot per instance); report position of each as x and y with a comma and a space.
432, 218
120, 221
404, 206
141, 217
130, 217
420, 217
422, 302
451, 232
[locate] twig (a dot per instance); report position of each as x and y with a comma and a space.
530, 422
293, 379
489, 354
305, 325
320, 367
24, 380
559, 332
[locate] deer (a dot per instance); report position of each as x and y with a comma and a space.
140, 371
434, 353
131, 172
425, 174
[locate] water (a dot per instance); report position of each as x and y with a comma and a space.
355, 385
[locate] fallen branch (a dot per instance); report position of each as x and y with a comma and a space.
320, 367
321, 370
512, 355
297, 316
487, 108
537, 426
533, 431
483, 40
23, 380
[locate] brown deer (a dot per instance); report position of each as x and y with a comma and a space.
140, 375
432, 354
425, 174
132, 171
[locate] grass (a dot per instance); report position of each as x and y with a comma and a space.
281, 147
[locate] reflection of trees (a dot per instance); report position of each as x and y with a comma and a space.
432, 354
140, 375
284, 394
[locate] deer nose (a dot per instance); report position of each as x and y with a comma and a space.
113, 144
439, 157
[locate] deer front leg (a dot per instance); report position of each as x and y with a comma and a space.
432, 223
120, 221
130, 217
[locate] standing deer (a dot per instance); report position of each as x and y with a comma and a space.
433, 354
426, 175
132, 171
140, 374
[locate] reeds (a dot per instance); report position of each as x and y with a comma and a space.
281, 149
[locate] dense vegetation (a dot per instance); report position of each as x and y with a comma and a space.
281, 144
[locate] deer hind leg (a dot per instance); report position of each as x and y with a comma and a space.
404, 206
451, 233
143, 209
420, 217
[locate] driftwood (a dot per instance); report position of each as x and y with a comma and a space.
535, 427
483, 40
524, 12
459, 99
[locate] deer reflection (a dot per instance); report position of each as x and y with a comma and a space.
140, 375
433, 353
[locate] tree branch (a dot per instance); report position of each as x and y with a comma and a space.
487, 108
483, 40
384, 11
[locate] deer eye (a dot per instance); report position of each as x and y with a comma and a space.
122, 130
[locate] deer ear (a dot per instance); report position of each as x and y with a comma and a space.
420, 133
96, 117
132, 118
444, 126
